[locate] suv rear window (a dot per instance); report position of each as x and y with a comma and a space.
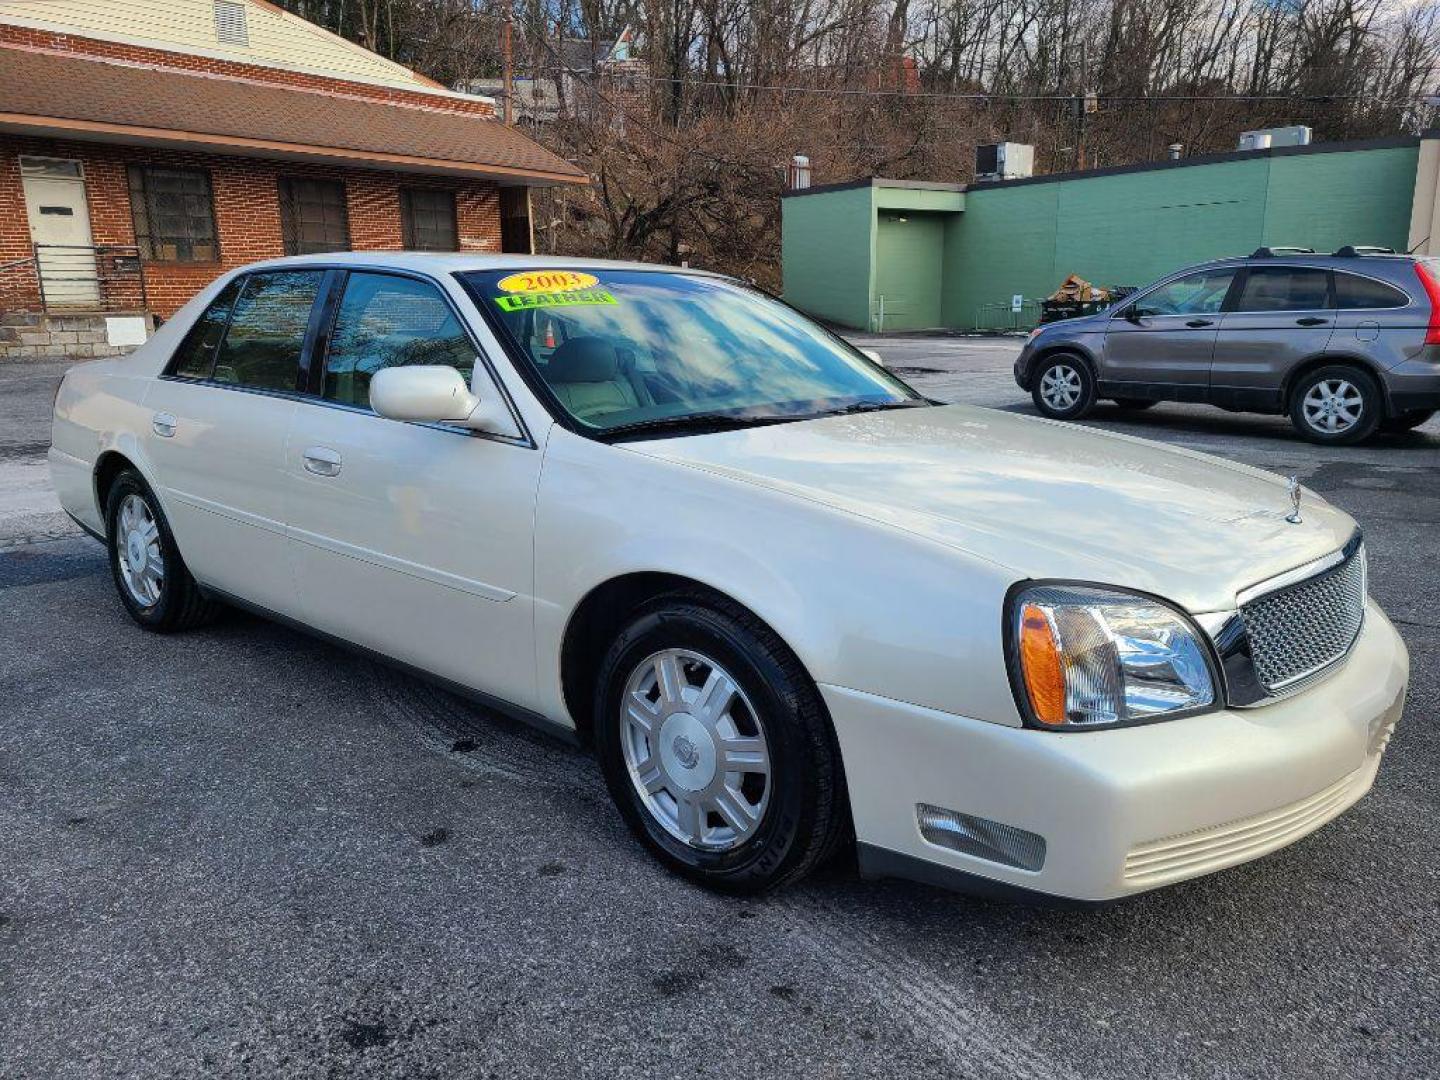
1285, 288
1353, 291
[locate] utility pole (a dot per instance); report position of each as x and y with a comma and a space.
507, 61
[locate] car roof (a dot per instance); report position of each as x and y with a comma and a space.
1299, 258
447, 262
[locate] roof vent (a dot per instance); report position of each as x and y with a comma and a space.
230, 28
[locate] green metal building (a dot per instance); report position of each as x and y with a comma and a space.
905, 255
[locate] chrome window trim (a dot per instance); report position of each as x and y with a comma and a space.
525, 439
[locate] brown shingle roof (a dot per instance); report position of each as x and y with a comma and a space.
80, 96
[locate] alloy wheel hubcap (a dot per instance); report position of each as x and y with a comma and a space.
1333, 406
137, 545
1060, 387
695, 750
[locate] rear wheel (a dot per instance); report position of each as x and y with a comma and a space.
1134, 404
154, 585
1064, 387
716, 747
1406, 421
1336, 405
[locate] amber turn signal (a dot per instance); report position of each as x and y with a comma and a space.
1041, 666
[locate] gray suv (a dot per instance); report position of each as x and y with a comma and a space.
1347, 344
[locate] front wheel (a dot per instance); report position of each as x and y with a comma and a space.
717, 748
1337, 405
1064, 388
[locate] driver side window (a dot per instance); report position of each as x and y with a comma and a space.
1194, 294
388, 321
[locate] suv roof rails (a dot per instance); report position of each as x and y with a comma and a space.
1278, 249
1352, 251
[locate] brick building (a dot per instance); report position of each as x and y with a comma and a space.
146, 147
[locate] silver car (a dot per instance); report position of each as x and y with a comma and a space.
1346, 344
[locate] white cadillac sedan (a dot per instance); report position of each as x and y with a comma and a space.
782, 594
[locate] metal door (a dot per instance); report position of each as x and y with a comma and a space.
60, 230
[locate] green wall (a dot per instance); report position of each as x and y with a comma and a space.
1130, 228
827, 250
841, 249
1364, 196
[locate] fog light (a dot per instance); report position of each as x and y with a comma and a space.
981, 837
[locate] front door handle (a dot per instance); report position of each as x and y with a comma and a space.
1196, 324
163, 424
1311, 320
322, 461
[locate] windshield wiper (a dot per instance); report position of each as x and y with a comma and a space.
696, 423
874, 406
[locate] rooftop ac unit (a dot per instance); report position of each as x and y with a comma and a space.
1004, 161
1265, 138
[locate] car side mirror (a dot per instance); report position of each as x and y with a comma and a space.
432, 394
871, 354
1132, 313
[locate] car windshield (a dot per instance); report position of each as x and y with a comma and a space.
635, 351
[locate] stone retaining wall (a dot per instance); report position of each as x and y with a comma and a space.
25, 335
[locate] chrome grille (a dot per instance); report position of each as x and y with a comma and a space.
1299, 630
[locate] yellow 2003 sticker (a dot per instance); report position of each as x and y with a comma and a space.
547, 281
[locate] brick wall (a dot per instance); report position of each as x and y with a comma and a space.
247, 209
165, 58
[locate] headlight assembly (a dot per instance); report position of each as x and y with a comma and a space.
1083, 657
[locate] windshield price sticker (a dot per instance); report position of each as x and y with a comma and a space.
547, 281
524, 301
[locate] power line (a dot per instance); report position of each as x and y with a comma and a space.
982, 96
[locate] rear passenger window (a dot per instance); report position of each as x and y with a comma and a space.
387, 321
195, 358
267, 330
1358, 292
1285, 288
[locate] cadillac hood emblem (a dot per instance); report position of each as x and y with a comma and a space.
1292, 488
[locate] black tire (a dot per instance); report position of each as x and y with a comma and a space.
1134, 404
1366, 389
1072, 370
180, 605
1409, 421
805, 814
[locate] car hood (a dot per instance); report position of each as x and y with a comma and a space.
1045, 499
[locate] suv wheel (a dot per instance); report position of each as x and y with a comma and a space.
154, 585
1338, 405
1064, 387
716, 747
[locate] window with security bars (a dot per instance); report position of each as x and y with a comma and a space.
313, 216
427, 219
174, 214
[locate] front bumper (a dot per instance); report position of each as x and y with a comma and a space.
1127, 810
1022, 366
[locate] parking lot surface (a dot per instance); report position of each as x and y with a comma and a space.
240, 852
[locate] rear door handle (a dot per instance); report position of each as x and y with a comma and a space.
1196, 324
163, 424
322, 461
1311, 320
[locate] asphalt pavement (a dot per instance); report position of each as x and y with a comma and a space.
240, 852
